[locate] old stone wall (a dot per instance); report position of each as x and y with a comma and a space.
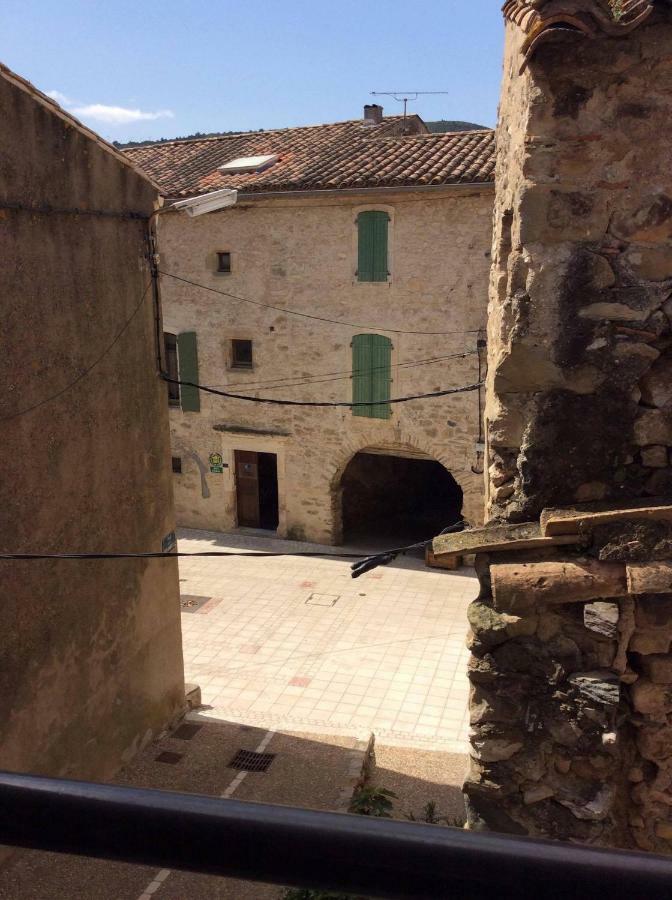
579, 321
301, 254
571, 665
90, 655
571, 702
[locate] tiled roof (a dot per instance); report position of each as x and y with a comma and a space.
344, 155
544, 20
53, 107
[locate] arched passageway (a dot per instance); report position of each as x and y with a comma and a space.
396, 499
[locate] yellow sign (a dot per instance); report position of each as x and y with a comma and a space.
216, 459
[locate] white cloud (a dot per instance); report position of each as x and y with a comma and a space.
110, 115
60, 98
118, 115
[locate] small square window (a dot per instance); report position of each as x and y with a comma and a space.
224, 262
177, 465
241, 354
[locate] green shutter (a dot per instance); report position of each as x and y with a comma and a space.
187, 360
371, 375
372, 245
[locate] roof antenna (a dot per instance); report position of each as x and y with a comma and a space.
404, 97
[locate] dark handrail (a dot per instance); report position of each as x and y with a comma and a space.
283, 845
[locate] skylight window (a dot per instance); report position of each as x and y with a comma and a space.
249, 163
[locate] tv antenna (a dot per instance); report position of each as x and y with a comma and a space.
405, 97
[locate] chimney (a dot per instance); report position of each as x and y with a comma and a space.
373, 114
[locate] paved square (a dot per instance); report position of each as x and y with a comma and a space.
388, 655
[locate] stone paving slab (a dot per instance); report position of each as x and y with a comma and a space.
296, 644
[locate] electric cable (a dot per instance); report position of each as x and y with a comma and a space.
86, 371
345, 374
321, 403
361, 567
293, 312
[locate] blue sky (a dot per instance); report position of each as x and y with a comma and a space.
135, 71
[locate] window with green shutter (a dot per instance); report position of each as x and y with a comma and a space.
371, 375
187, 360
372, 227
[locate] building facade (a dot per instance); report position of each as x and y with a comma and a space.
91, 661
352, 269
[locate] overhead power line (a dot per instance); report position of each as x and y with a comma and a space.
322, 377
321, 403
303, 315
171, 555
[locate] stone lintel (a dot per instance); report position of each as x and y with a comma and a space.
494, 538
582, 517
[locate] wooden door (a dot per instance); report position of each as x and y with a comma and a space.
247, 487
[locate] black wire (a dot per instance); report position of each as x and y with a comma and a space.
86, 371
292, 312
321, 403
169, 555
344, 375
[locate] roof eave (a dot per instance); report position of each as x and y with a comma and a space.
457, 187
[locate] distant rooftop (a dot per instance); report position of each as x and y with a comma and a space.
389, 152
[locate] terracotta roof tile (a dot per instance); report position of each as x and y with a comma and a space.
323, 157
545, 20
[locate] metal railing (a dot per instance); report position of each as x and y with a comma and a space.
287, 846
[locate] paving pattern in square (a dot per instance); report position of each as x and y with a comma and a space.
388, 657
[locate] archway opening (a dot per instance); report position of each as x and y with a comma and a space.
397, 499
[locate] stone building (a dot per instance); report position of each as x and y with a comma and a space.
91, 653
353, 268
572, 632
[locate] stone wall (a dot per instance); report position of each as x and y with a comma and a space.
301, 253
571, 670
91, 652
571, 701
579, 321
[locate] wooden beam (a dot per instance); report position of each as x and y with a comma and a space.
556, 582
582, 518
493, 538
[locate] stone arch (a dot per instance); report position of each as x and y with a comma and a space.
405, 447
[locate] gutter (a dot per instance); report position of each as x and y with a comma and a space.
458, 188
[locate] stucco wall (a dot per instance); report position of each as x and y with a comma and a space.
90, 656
302, 254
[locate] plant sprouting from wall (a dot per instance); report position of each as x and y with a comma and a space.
617, 9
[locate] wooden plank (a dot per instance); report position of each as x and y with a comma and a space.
581, 518
649, 578
451, 561
556, 582
493, 538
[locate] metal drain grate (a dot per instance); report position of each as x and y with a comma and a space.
193, 602
186, 732
167, 756
249, 761
322, 599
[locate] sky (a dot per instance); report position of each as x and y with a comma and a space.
138, 71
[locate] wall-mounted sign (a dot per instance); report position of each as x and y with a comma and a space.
169, 542
217, 464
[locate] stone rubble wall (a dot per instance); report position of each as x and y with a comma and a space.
571, 715
571, 697
580, 318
